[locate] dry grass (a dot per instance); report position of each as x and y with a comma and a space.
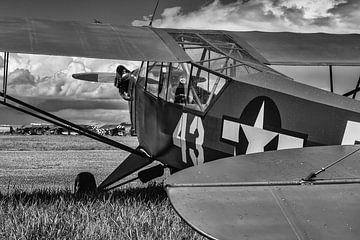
57, 143
133, 213
36, 200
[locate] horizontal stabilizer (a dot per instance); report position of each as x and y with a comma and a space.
100, 77
130, 165
262, 196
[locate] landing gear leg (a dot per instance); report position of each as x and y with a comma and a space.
85, 183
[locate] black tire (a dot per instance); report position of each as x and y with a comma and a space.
85, 183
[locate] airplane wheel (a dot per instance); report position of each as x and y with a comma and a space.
85, 183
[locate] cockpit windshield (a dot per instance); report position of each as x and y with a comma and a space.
185, 84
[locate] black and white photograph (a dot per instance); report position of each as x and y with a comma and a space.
180, 119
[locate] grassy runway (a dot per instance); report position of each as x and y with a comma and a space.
36, 200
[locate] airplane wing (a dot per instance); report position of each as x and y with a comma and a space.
286, 48
110, 41
261, 196
105, 41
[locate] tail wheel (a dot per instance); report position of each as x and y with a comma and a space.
85, 183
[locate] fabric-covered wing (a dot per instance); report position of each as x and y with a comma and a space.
261, 196
285, 48
69, 38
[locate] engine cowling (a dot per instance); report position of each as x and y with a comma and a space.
124, 81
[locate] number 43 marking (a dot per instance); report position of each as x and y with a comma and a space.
179, 138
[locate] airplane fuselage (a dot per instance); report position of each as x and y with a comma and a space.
254, 113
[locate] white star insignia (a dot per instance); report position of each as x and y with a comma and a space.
257, 136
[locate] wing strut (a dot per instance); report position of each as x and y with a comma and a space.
43, 115
331, 78
5, 78
313, 175
153, 15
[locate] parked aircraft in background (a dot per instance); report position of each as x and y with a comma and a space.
204, 95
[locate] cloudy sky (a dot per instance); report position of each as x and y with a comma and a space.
46, 81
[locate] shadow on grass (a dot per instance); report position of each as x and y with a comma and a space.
152, 193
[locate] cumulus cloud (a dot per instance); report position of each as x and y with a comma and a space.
333, 16
40, 75
46, 82
21, 77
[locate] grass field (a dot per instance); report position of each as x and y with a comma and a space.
57, 143
36, 200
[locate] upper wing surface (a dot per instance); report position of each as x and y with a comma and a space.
261, 196
70, 38
106, 41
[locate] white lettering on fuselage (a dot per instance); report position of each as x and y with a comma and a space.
181, 134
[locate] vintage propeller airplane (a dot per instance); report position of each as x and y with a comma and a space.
204, 95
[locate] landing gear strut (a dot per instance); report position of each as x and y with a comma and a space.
85, 183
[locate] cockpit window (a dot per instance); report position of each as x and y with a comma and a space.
204, 86
142, 75
178, 83
153, 77
220, 53
164, 78
183, 84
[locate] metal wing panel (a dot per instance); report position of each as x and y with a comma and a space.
68, 38
261, 196
285, 48
284, 212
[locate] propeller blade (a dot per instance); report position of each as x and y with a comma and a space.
100, 77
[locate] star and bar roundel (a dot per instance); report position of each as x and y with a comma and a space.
259, 129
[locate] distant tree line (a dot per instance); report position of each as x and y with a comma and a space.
121, 129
